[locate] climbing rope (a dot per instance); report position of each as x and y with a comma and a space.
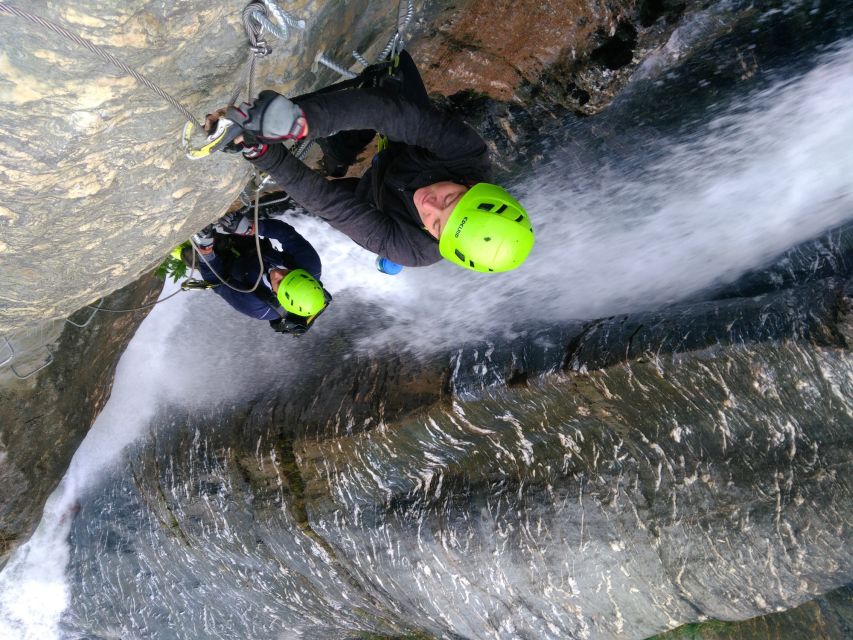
257, 249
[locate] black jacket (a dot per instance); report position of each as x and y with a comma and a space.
430, 147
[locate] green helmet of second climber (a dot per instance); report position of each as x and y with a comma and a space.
177, 252
301, 293
488, 230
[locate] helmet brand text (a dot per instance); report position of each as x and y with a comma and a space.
459, 228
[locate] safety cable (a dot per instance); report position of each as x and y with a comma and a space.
395, 42
144, 306
403, 20
101, 53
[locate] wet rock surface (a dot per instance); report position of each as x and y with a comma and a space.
641, 484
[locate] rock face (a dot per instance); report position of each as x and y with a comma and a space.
646, 482
91, 160
581, 52
44, 418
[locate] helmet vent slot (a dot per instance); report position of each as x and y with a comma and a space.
502, 209
519, 218
485, 206
459, 254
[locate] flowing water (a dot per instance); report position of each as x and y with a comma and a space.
495, 517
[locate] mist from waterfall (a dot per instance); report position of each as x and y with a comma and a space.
33, 587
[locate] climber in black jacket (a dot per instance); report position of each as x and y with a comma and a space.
426, 196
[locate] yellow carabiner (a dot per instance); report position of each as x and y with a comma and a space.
214, 142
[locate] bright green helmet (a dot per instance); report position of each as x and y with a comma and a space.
301, 294
177, 251
488, 230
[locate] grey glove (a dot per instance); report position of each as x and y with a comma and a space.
235, 223
269, 118
204, 238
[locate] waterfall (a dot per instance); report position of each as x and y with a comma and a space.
33, 589
698, 209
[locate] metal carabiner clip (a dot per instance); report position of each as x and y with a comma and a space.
226, 130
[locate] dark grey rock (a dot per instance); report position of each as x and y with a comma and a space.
627, 484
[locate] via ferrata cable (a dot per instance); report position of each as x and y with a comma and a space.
101, 53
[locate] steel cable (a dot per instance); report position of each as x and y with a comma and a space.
101, 53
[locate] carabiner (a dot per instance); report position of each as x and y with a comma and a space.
226, 130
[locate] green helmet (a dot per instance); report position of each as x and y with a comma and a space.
177, 252
488, 230
300, 293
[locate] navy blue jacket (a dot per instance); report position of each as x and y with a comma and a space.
296, 253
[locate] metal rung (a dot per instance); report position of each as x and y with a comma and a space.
11, 352
85, 324
34, 371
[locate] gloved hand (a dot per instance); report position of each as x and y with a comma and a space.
222, 133
269, 118
204, 238
235, 223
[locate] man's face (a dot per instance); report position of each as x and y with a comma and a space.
435, 203
276, 276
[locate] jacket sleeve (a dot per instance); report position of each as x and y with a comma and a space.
293, 243
341, 208
448, 138
246, 303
